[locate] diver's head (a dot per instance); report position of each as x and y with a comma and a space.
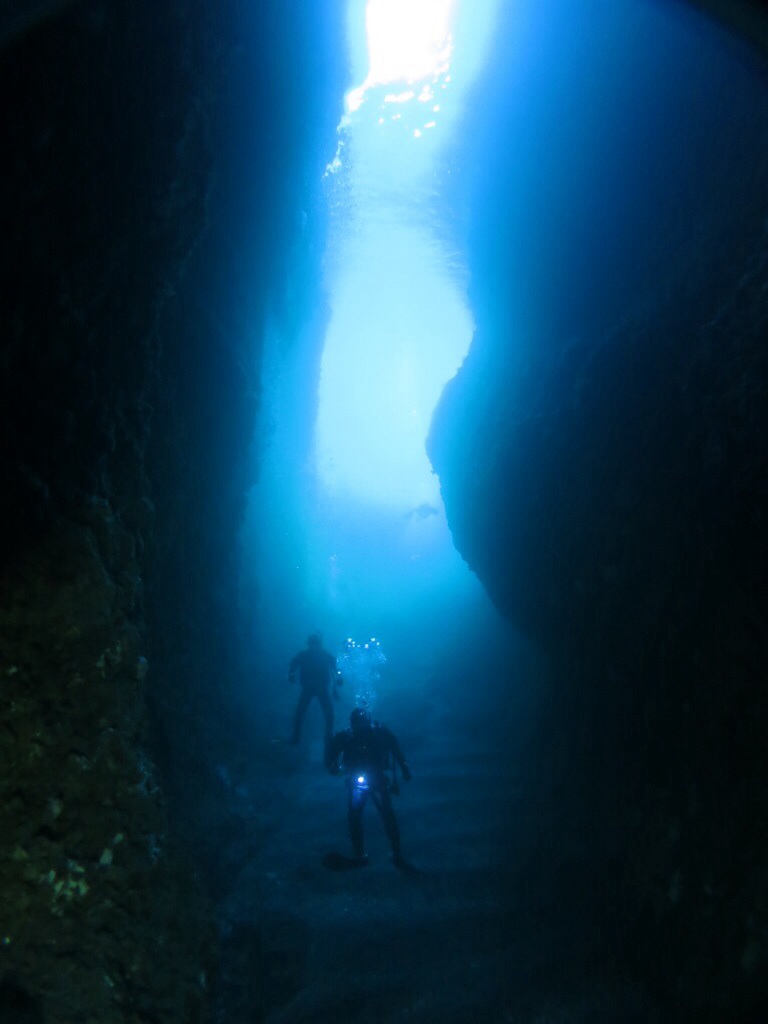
314, 640
360, 719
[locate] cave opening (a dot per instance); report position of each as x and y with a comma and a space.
363, 542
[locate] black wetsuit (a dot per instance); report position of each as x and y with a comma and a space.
366, 753
316, 668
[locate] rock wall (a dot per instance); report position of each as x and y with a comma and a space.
603, 468
152, 195
745, 18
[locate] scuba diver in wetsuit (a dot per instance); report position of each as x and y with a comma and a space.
363, 753
316, 669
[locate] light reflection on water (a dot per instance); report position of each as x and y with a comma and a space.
400, 325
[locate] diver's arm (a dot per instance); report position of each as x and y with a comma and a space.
398, 755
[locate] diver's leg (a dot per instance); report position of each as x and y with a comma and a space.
384, 806
355, 819
301, 709
325, 703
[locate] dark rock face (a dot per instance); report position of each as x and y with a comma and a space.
627, 538
102, 921
151, 198
745, 18
605, 478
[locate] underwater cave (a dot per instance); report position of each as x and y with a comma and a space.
384, 483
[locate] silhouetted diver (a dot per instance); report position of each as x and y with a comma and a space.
316, 669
